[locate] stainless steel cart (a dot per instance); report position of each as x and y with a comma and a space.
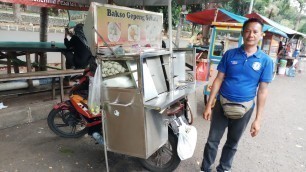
138, 98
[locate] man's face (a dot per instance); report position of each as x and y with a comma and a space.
252, 33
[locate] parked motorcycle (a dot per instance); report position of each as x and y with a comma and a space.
72, 119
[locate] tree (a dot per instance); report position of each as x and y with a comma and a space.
301, 9
303, 28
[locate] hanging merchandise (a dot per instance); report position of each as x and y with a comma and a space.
202, 70
94, 101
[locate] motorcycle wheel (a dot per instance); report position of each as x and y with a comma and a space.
66, 124
165, 158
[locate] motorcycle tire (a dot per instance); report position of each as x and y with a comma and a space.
169, 148
66, 124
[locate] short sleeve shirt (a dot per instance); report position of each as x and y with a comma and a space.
243, 74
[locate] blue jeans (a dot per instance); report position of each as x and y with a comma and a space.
219, 123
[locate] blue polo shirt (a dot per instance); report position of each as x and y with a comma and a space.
243, 74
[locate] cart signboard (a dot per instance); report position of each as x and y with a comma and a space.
128, 27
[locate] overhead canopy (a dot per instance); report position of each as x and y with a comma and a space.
275, 24
154, 2
206, 17
60, 4
83, 5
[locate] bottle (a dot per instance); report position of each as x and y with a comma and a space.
98, 138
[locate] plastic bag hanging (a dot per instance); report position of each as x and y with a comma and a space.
94, 98
187, 140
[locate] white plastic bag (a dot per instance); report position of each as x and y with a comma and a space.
187, 140
94, 97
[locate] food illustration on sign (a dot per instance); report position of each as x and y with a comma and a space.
114, 31
133, 33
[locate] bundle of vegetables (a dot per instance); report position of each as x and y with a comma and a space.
110, 68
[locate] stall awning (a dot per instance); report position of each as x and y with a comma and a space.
206, 17
59, 4
154, 2
275, 24
83, 5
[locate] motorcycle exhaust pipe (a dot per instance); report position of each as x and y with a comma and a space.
98, 138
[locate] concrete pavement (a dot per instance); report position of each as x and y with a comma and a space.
280, 145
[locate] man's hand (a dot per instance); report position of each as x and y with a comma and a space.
207, 113
255, 128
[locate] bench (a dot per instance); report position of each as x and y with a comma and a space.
43, 74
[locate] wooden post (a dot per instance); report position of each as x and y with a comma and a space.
29, 68
63, 62
9, 64
37, 62
43, 36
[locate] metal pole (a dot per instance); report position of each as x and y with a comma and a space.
251, 7
170, 44
170, 26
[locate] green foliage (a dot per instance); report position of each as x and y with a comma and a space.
303, 28
278, 10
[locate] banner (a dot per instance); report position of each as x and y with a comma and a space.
60, 4
129, 27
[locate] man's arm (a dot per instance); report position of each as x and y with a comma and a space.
214, 90
261, 100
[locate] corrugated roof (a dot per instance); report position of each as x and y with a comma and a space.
275, 24
206, 17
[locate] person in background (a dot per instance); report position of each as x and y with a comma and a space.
196, 40
243, 74
289, 50
296, 53
80, 54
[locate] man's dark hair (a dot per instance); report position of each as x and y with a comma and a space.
252, 20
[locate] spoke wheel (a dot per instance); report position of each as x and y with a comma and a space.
66, 124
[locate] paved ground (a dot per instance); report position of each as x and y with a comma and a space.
279, 147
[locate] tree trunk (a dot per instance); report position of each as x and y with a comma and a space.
298, 20
206, 28
270, 13
43, 36
178, 31
16, 13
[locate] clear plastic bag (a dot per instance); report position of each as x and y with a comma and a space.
187, 140
94, 97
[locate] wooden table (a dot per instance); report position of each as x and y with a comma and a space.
11, 50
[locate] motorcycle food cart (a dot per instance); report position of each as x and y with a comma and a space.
145, 90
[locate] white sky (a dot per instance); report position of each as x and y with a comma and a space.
296, 4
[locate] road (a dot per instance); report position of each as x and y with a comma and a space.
280, 145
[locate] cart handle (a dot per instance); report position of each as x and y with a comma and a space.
124, 105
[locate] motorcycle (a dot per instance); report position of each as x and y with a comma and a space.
72, 119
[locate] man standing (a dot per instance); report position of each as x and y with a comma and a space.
240, 72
